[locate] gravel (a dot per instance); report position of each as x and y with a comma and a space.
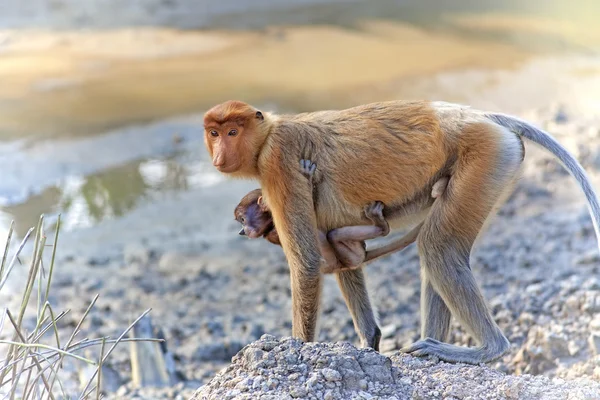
293, 369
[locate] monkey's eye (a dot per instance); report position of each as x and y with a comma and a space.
214, 133
233, 132
243, 220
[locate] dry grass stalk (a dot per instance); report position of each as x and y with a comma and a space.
30, 369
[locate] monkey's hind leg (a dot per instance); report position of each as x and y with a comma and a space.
445, 243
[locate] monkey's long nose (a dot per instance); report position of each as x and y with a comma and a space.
242, 232
218, 160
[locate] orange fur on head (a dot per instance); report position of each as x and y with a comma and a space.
233, 132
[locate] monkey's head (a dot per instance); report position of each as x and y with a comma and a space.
254, 215
233, 134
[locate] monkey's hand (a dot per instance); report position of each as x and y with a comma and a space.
307, 168
374, 212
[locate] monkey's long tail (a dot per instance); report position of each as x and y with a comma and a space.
545, 140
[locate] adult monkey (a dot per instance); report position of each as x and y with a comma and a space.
391, 152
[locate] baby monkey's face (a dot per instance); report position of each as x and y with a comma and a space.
255, 222
255, 218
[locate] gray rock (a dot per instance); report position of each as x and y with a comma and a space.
336, 371
170, 261
592, 283
99, 261
136, 253
594, 341
591, 302
331, 375
556, 346
388, 331
595, 324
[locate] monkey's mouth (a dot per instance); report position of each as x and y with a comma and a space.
268, 229
252, 234
227, 169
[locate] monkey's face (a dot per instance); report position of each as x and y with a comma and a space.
255, 221
229, 130
224, 144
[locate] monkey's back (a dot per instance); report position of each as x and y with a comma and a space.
380, 151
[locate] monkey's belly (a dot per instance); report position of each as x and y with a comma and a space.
333, 212
406, 221
409, 213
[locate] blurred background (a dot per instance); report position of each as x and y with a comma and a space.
101, 101
101, 105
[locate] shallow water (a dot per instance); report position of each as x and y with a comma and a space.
94, 124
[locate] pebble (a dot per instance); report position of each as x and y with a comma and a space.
594, 341
136, 253
331, 375
388, 331
169, 261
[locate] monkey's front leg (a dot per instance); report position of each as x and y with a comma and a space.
352, 282
294, 216
354, 289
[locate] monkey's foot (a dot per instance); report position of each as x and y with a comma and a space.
307, 168
455, 354
374, 212
372, 341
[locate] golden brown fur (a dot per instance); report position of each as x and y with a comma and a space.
392, 152
342, 248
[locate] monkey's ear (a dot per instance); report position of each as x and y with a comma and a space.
262, 205
260, 115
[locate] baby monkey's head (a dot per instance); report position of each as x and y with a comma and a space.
254, 215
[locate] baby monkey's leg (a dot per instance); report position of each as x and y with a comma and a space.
374, 212
348, 242
438, 188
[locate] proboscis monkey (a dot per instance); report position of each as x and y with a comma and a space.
391, 152
341, 248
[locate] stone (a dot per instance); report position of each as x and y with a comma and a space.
388, 331
594, 341
136, 253
556, 346
331, 375
169, 261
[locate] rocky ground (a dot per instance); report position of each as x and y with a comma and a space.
287, 368
537, 265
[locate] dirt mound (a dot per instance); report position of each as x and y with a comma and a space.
288, 368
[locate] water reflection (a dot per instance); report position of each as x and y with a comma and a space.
84, 201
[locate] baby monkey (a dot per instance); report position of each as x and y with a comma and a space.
342, 248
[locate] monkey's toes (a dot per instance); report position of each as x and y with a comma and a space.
422, 347
374, 210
